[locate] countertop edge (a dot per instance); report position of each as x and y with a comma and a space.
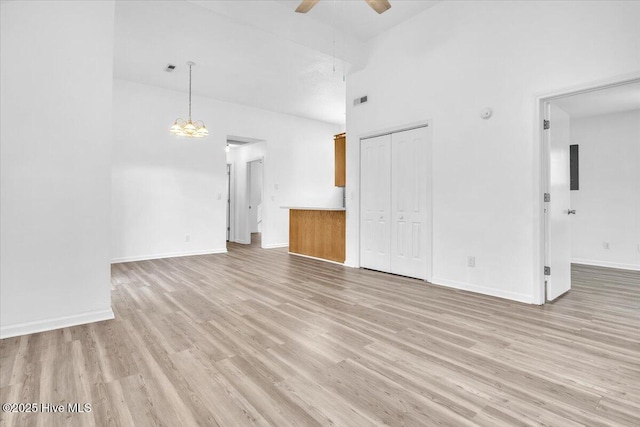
312, 208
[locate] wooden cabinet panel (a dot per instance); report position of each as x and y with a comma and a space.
340, 159
317, 233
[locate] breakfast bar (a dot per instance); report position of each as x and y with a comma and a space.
317, 232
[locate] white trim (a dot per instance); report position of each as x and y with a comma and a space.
313, 257
540, 154
231, 201
395, 129
592, 86
514, 296
608, 264
247, 191
275, 245
168, 255
57, 323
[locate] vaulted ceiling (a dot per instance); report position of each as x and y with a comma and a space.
258, 53
357, 19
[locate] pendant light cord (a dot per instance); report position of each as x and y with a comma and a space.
189, 92
189, 128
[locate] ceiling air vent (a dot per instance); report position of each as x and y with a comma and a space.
360, 100
169, 68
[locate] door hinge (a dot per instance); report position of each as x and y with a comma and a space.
547, 270
547, 197
545, 124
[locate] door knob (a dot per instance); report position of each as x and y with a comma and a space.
571, 211
401, 218
381, 217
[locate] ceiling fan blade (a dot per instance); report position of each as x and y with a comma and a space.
306, 6
379, 6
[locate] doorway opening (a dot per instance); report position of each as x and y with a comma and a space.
255, 187
245, 203
590, 183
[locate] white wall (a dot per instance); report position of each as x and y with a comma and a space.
57, 75
608, 201
447, 64
165, 188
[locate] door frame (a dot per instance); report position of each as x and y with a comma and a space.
248, 197
429, 164
541, 158
230, 202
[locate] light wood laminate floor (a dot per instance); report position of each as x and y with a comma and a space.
266, 338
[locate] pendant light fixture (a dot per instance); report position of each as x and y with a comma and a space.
192, 129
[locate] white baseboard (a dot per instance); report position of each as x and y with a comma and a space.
168, 255
514, 296
606, 264
51, 324
313, 257
275, 245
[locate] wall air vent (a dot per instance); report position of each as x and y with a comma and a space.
361, 100
169, 68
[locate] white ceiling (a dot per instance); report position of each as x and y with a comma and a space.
252, 52
356, 18
611, 100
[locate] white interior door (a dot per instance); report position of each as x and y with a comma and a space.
558, 218
375, 202
409, 214
255, 196
228, 202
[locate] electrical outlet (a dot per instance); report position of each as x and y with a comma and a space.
187, 237
471, 261
605, 245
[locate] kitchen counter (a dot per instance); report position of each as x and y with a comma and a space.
313, 208
317, 232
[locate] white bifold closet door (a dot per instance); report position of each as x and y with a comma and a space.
394, 206
375, 187
408, 203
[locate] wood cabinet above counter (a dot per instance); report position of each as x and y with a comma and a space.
340, 142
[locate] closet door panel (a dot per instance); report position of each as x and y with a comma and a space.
375, 190
409, 203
